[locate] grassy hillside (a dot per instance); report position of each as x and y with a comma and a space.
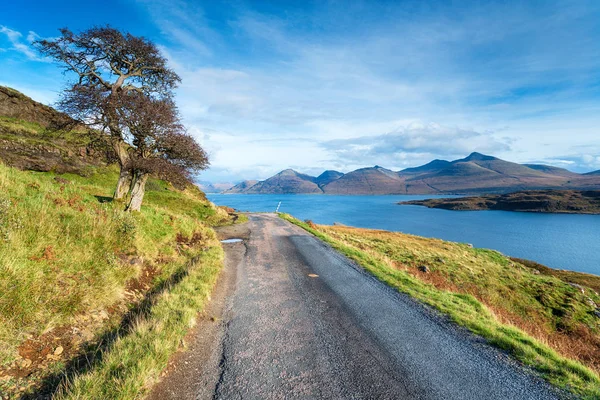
543, 320
74, 267
31, 146
36, 137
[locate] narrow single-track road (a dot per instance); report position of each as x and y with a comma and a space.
292, 318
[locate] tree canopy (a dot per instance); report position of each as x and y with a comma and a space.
124, 88
106, 64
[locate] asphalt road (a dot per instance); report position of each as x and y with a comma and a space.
302, 321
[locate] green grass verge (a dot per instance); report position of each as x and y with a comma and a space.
136, 360
68, 253
241, 218
466, 310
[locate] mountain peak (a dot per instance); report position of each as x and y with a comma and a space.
476, 173
330, 174
434, 165
475, 156
288, 171
328, 177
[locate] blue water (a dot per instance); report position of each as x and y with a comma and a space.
563, 241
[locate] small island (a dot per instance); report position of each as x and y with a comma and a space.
544, 201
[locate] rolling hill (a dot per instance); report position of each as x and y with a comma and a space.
477, 173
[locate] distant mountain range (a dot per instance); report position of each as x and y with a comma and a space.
209, 187
477, 173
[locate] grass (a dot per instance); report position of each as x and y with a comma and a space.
580, 278
541, 320
68, 254
136, 360
21, 130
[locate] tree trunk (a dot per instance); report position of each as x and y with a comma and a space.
123, 184
125, 175
137, 192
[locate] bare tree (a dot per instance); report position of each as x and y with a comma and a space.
159, 144
107, 64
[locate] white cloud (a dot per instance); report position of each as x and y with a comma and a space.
357, 88
16, 41
592, 161
32, 36
416, 141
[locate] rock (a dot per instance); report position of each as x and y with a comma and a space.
28, 147
136, 261
577, 286
590, 302
423, 268
469, 245
440, 260
17, 105
597, 312
58, 351
535, 272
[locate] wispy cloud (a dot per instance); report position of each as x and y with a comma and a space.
21, 45
184, 24
415, 141
576, 163
344, 84
359, 81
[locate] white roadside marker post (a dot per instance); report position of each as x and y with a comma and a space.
278, 205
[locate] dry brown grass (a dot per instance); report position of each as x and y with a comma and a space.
459, 269
490, 295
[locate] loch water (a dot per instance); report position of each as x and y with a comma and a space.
563, 241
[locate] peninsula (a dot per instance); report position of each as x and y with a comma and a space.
545, 201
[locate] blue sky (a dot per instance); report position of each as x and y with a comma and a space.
346, 84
